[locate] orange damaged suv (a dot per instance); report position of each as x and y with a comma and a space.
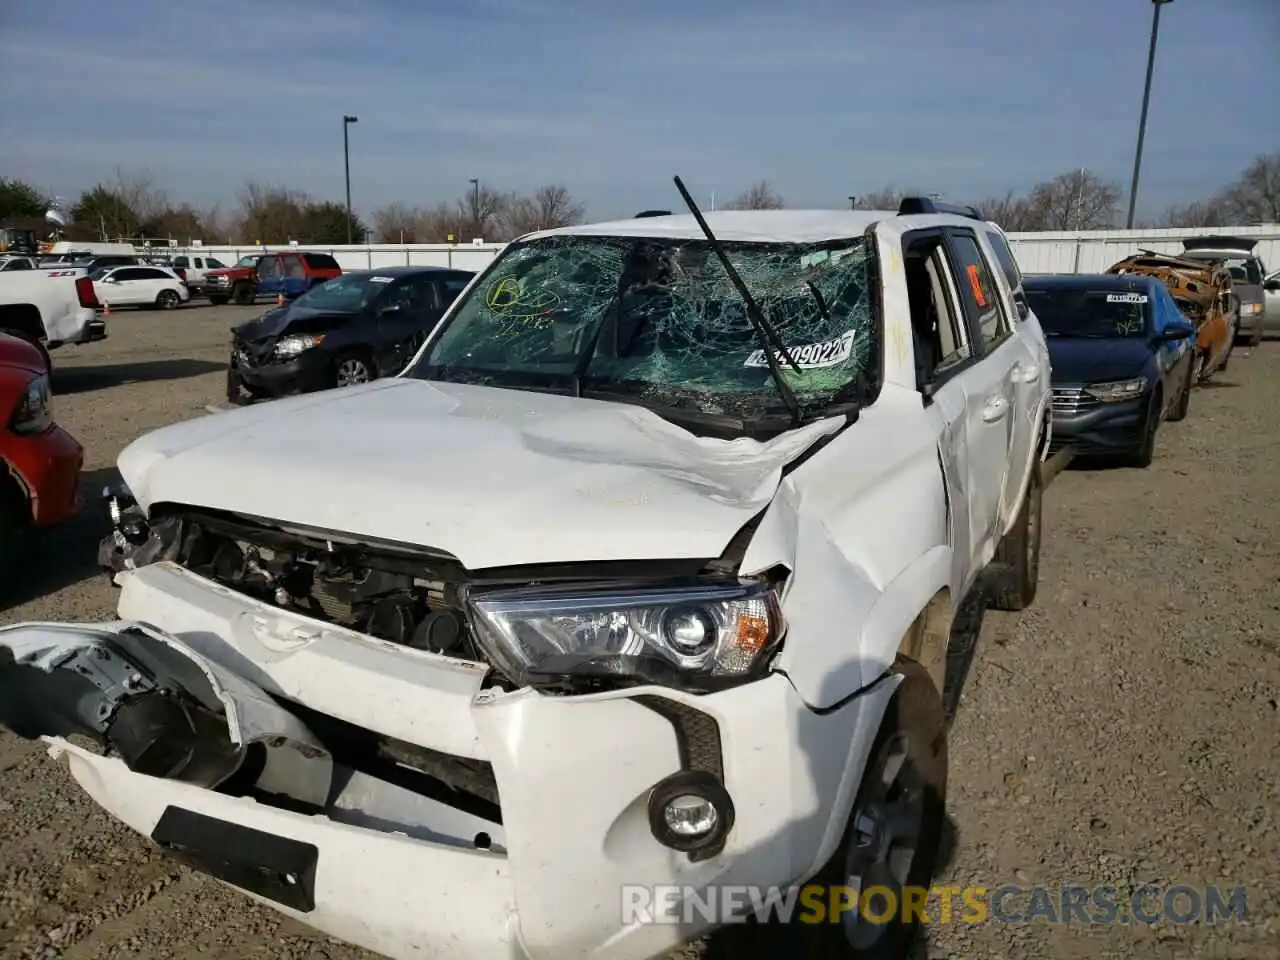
1202, 291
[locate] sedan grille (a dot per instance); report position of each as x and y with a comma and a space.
1068, 401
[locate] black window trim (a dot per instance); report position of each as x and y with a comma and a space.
939, 380
981, 347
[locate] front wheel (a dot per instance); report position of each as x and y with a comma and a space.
352, 369
243, 294
1016, 564
888, 851
1146, 452
167, 300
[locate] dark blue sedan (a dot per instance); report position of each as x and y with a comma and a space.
1121, 353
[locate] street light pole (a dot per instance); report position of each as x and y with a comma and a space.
475, 204
1146, 99
346, 166
853, 202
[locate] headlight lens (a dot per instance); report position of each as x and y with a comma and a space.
699, 636
1117, 390
33, 414
291, 346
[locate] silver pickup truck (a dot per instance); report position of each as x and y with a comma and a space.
1247, 272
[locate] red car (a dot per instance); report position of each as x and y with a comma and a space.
40, 479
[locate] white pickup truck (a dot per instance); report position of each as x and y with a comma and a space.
50, 307
636, 586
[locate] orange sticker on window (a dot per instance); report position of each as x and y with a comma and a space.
975, 285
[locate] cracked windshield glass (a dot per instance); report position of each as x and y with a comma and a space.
659, 319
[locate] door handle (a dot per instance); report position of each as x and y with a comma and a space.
1026, 373
995, 408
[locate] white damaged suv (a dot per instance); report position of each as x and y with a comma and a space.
639, 577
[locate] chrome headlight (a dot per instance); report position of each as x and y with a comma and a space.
1117, 390
697, 636
291, 346
33, 413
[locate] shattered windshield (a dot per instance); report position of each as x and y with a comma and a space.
661, 320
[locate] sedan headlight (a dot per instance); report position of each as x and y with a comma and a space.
1117, 390
289, 347
33, 413
699, 637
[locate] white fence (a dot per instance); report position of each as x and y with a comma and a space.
1084, 251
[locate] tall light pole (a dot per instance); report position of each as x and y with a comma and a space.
853, 202
1146, 99
346, 166
475, 203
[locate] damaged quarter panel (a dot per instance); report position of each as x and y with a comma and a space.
863, 527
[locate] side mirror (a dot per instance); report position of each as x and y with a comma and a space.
1023, 310
1272, 284
1177, 333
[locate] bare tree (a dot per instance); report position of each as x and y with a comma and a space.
481, 211
1011, 212
398, 223
758, 196
443, 223
1255, 197
550, 206
138, 193
1202, 213
1079, 200
886, 198
272, 214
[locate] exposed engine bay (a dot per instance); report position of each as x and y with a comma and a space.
409, 600
392, 598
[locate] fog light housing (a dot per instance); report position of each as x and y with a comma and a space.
691, 812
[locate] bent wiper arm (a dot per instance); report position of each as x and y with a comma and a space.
769, 338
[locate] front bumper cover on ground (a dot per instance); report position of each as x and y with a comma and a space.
411, 875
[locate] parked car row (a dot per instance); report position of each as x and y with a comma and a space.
642, 570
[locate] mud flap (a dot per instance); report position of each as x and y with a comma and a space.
159, 706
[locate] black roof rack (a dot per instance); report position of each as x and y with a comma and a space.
910, 205
653, 213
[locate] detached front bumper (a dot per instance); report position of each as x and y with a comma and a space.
412, 876
48, 466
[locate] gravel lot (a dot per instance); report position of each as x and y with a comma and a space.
1124, 730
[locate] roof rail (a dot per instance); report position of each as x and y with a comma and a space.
653, 213
910, 205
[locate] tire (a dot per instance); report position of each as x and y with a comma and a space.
1179, 412
1146, 453
14, 528
1255, 338
352, 369
218, 301
1200, 363
913, 728
242, 294
1016, 565
167, 300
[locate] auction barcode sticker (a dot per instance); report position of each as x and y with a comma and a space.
1127, 298
811, 355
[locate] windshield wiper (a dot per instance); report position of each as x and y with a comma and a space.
769, 338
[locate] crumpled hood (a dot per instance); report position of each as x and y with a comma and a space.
1079, 360
290, 318
495, 477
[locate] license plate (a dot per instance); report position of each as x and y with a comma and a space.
274, 867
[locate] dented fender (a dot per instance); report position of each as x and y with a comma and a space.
151, 700
863, 529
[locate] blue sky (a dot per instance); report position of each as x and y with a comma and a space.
823, 98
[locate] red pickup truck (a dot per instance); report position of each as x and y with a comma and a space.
290, 273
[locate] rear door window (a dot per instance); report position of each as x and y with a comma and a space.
321, 261
978, 292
